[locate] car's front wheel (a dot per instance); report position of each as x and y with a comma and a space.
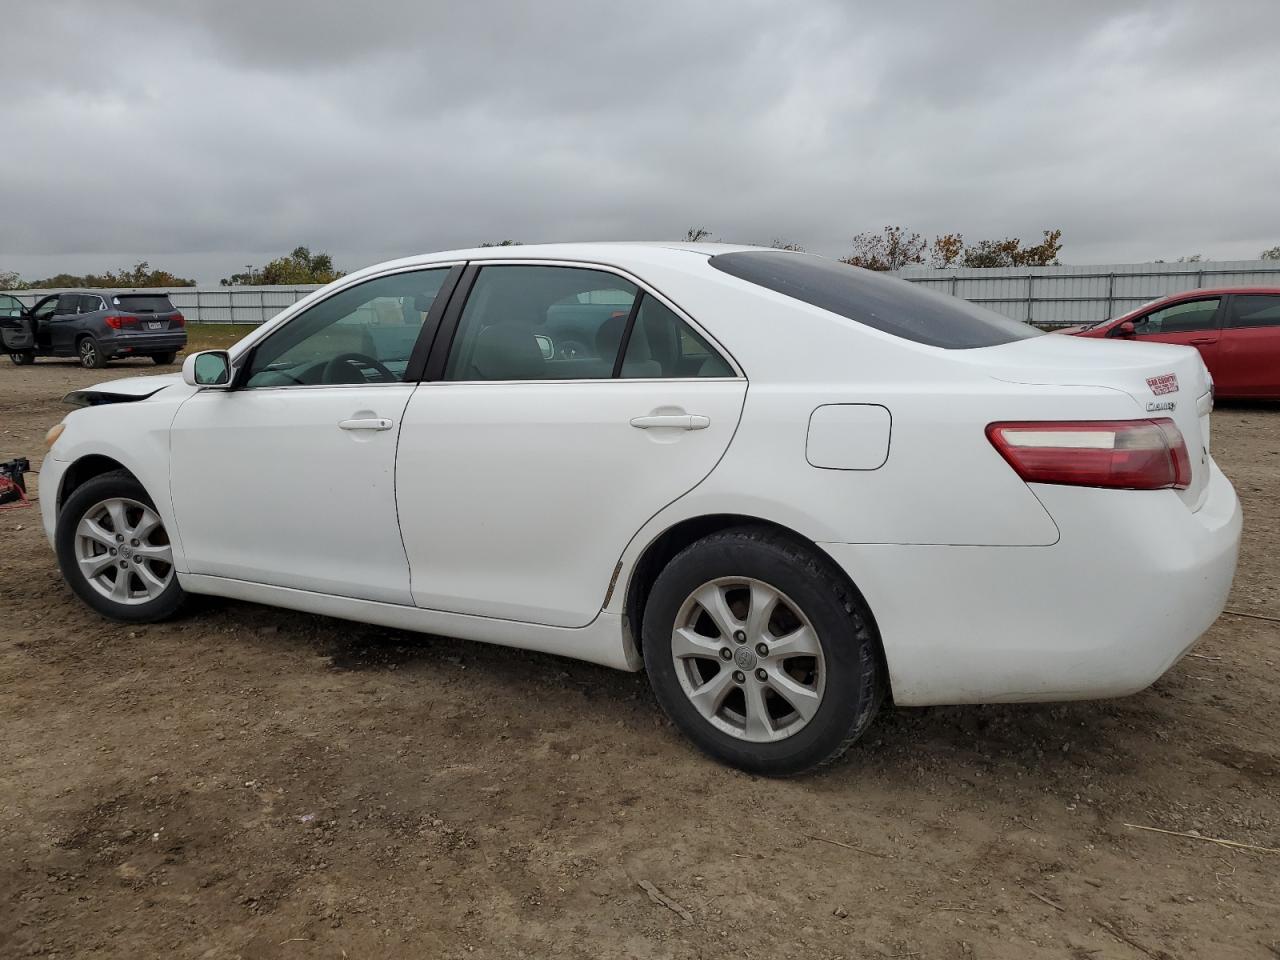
91, 355
23, 358
114, 551
761, 652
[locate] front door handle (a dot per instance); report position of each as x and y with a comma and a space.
371, 423
1201, 340
680, 421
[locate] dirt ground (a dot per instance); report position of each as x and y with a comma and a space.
255, 783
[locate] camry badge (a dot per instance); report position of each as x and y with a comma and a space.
1155, 405
1165, 383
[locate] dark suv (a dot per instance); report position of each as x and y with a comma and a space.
96, 327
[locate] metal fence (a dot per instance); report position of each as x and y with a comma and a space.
1057, 296
1048, 296
247, 305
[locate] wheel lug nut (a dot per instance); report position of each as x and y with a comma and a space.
739, 676
123, 564
739, 636
135, 542
113, 551
726, 653
762, 649
119, 538
761, 675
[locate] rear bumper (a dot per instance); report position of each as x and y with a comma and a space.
1133, 582
143, 344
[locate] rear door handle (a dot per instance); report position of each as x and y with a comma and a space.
680, 421
371, 423
1202, 340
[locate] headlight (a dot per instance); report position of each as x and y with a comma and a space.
54, 433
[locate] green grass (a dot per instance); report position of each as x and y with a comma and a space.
215, 336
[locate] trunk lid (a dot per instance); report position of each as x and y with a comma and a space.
1164, 380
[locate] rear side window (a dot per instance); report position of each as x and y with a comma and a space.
894, 306
143, 302
90, 304
1255, 311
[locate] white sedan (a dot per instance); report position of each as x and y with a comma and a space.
785, 487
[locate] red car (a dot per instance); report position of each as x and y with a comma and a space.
1236, 330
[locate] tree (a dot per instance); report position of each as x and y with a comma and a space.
1272, 254
780, 244
1011, 253
696, 235
141, 274
891, 250
503, 243
946, 250
300, 266
11, 281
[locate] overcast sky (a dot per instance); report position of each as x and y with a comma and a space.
205, 135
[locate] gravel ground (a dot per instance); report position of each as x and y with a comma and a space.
246, 782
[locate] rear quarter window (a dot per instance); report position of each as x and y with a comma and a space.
143, 302
885, 303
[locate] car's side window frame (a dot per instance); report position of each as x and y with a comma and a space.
417, 357
439, 355
1216, 323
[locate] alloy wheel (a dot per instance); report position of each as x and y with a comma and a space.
123, 551
748, 659
88, 353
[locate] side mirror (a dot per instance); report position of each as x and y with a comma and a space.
1126, 329
209, 370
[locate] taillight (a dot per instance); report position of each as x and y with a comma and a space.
1124, 454
177, 320
116, 322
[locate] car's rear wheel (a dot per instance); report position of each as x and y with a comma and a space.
114, 551
164, 359
23, 358
761, 652
90, 353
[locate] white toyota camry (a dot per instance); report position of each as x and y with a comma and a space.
785, 487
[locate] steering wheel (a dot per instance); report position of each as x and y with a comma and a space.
340, 368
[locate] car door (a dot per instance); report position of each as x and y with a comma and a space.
42, 314
1193, 323
525, 469
287, 478
64, 326
1249, 351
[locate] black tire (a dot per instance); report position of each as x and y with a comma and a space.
809, 581
90, 354
117, 484
164, 359
23, 358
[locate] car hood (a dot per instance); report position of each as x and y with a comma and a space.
122, 391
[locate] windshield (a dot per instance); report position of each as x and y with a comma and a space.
894, 306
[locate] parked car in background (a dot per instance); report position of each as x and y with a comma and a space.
1236, 330
787, 487
95, 326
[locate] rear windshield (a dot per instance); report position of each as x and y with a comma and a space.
903, 309
143, 302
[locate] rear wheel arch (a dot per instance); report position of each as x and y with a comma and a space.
664, 547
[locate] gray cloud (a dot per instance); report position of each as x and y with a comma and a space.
205, 135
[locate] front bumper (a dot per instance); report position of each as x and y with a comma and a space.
49, 481
1133, 582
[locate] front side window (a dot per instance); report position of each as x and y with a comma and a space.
541, 323
1252, 310
1180, 318
361, 335
68, 304
10, 306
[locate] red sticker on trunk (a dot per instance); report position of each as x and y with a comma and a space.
1165, 383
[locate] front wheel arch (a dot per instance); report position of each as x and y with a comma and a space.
85, 469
